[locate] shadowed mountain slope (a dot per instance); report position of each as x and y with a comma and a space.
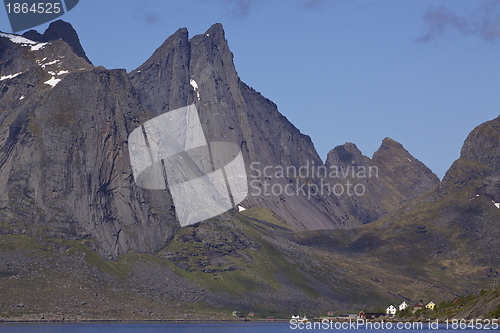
69, 202
200, 70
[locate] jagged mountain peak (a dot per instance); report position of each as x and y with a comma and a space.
398, 177
415, 178
344, 154
390, 152
476, 171
216, 29
390, 143
214, 33
482, 145
28, 66
180, 36
183, 72
59, 30
178, 45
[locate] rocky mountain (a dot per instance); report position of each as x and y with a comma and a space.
391, 178
447, 241
487, 306
350, 232
59, 30
76, 181
200, 70
64, 156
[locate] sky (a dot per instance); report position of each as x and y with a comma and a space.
424, 73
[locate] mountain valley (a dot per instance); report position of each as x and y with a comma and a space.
80, 240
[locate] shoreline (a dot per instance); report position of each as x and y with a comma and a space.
68, 320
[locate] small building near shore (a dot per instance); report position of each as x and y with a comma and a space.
361, 315
391, 310
430, 305
403, 306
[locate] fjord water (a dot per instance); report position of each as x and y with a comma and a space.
178, 327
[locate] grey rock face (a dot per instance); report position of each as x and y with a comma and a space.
404, 172
479, 163
59, 30
391, 178
229, 111
200, 70
463, 206
64, 163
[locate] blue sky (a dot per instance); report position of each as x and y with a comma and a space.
424, 73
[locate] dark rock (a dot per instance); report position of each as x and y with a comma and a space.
59, 30
64, 157
405, 173
64, 164
266, 137
388, 180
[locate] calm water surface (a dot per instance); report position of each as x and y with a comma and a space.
182, 327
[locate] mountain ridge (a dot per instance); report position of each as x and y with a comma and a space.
266, 137
69, 199
182, 71
59, 30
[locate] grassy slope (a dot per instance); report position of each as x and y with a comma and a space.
259, 267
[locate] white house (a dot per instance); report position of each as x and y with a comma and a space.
391, 310
403, 306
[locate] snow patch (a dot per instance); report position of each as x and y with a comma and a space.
208, 35
497, 205
52, 82
10, 76
408, 159
18, 39
35, 46
194, 84
49, 63
61, 72
195, 87
38, 46
21, 98
241, 208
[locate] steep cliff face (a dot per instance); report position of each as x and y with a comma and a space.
67, 188
455, 230
477, 169
64, 166
200, 70
59, 30
470, 192
405, 173
388, 180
